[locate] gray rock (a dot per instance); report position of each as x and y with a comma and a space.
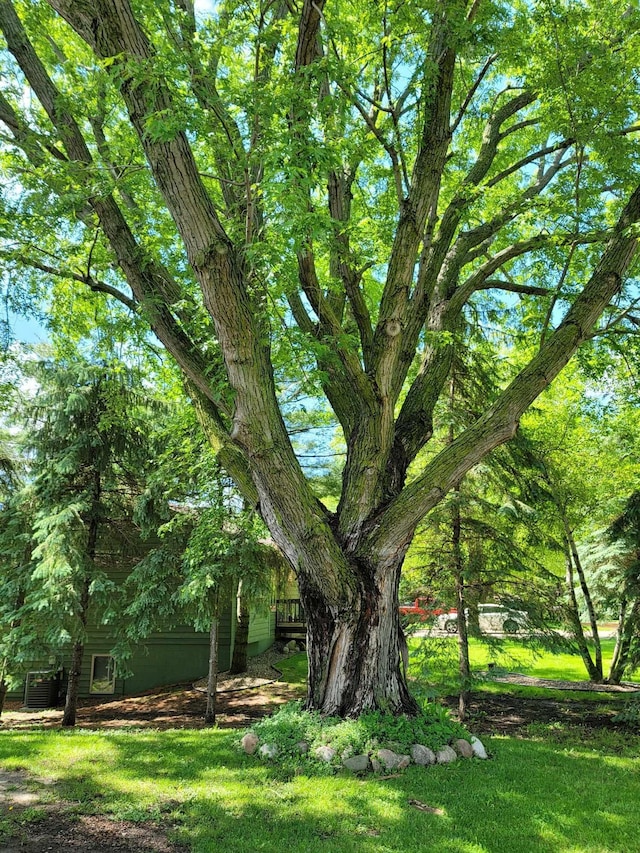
268, 750
391, 760
292, 646
446, 755
422, 755
250, 742
357, 763
478, 749
325, 753
463, 748
388, 758
405, 761
375, 765
303, 746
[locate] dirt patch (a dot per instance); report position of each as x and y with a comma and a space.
176, 707
513, 715
37, 825
54, 829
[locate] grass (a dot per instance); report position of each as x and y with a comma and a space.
561, 789
438, 656
552, 793
537, 662
294, 669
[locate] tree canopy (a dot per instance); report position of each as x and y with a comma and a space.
330, 200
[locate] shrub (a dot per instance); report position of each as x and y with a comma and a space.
291, 725
630, 714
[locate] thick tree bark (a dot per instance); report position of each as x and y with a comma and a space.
356, 650
241, 641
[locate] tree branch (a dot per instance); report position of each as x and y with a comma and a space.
149, 282
84, 278
472, 91
500, 422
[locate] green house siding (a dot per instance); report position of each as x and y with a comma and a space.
157, 662
177, 655
262, 630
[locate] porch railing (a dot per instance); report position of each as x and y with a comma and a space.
289, 611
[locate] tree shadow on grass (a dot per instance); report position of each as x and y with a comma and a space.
532, 797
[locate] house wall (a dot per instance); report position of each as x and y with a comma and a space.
179, 654
262, 631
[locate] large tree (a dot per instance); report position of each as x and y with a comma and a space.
341, 186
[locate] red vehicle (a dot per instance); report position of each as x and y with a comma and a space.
420, 609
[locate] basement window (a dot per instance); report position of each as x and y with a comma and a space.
103, 674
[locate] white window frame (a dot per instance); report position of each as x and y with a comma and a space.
111, 689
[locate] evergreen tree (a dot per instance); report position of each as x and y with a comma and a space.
90, 454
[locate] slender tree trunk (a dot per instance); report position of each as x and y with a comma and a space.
573, 615
628, 625
464, 666
3, 693
212, 677
241, 643
73, 684
77, 655
584, 586
617, 651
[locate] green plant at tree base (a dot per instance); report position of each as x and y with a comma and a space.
291, 726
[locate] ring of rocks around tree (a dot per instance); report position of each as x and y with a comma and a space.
383, 760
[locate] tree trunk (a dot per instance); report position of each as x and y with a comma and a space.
617, 651
212, 677
575, 556
93, 523
464, 666
75, 671
627, 626
356, 652
573, 614
241, 642
3, 694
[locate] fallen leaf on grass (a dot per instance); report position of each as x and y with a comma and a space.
424, 807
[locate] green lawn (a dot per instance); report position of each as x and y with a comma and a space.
512, 655
562, 789
534, 796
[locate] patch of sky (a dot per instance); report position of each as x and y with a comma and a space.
21, 329
205, 8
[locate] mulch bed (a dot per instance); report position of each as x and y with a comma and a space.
179, 706
182, 706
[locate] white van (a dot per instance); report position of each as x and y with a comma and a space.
494, 619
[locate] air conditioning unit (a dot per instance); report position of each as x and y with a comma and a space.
41, 689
